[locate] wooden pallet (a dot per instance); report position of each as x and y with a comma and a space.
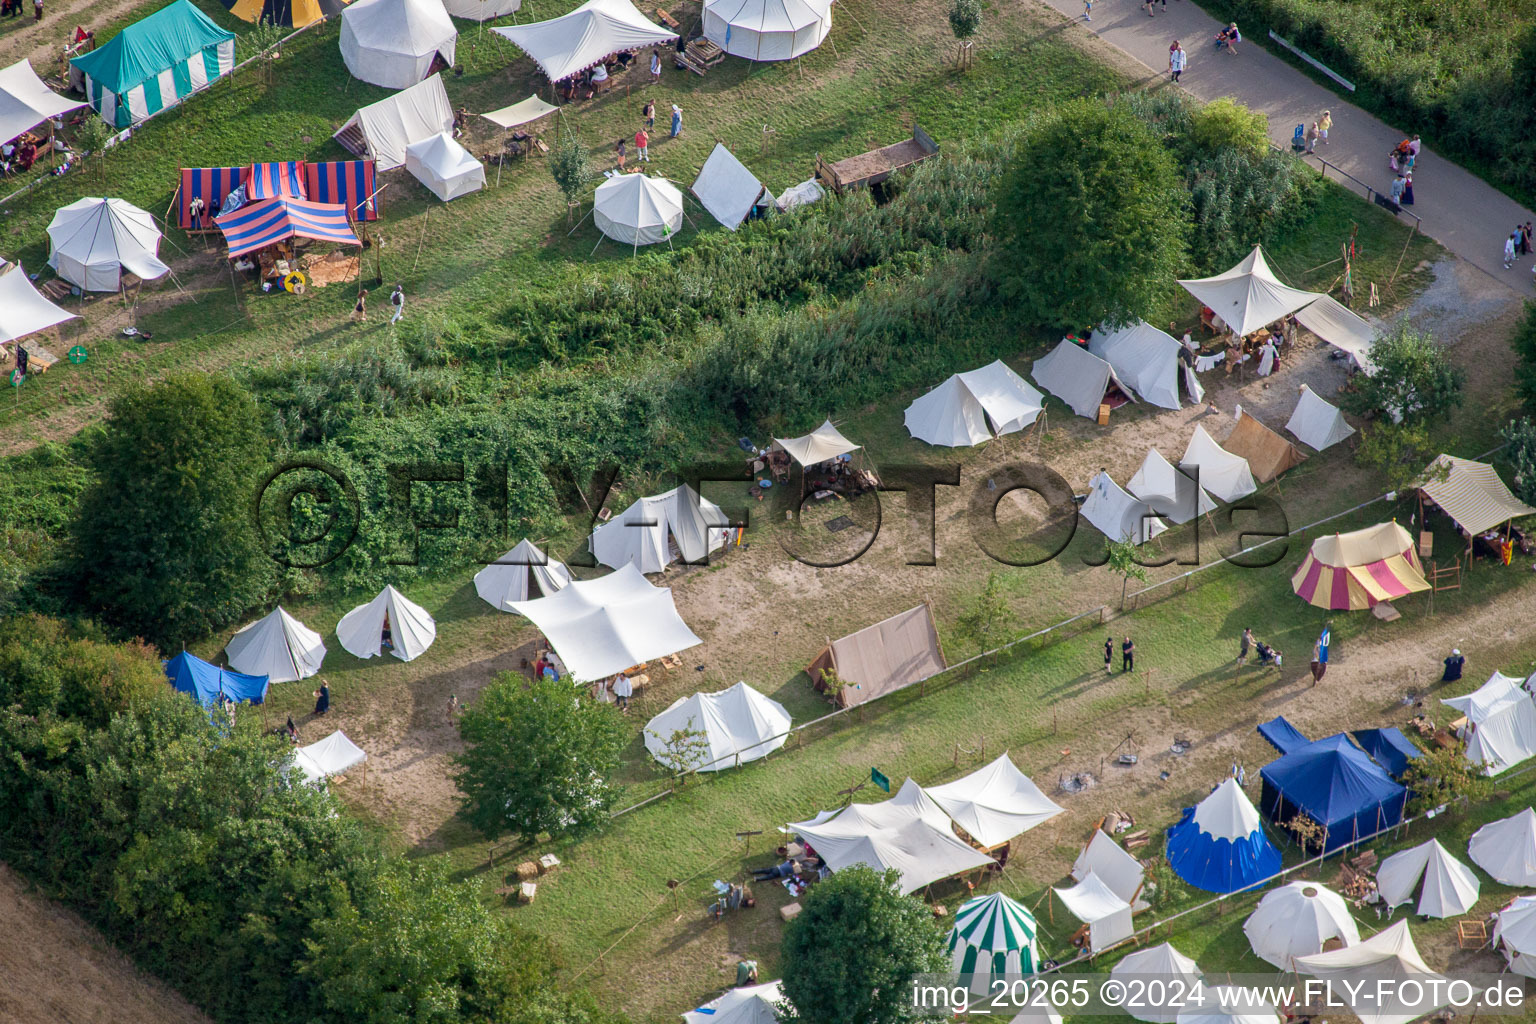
699, 56
666, 19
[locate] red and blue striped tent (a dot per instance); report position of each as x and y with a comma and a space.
346, 182
270, 180
211, 184
271, 221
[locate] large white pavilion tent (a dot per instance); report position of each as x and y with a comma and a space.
823, 444
767, 29
1514, 931
93, 241
1298, 920
638, 209
995, 803
1147, 971
1249, 296
393, 43
596, 30
382, 131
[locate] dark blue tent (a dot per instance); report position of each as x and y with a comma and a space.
1335, 784
1219, 845
204, 681
1391, 749
1282, 735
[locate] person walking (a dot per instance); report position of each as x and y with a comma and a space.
1146, 5
397, 300
1323, 643
37, 10
1087, 10
1176, 59
1453, 666
642, 146
1109, 654
1522, 241
1323, 124
649, 113
1318, 668
623, 689
618, 152
677, 120
655, 75
1395, 192
1244, 645
1127, 655
322, 698
1509, 250
1312, 138
1407, 188
360, 311
1527, 249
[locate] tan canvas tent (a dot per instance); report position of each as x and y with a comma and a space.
902, 650
1472, 494
1268, 453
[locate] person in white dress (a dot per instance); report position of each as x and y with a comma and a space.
1267, 356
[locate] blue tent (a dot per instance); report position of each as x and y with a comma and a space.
1391, 749
1219, 845
1335, 784
1282, 735
191, 674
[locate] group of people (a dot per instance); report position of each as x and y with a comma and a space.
1127, 654
18, 155
12, 8
1518, 244
1247, 645
1319, 131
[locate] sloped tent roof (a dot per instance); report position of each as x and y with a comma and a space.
1352, 571
446, 168
1266, 452
573, 42
956, 413
387, 127
639, 535
521, 112
1116, 868
767, 29
151, 46
277, 646
412, 628
91, 241
726, 188
1472, 494
1095, 904
1317, 423
392, 43
1227, 1004
257, 225
750, 1004
1449, 890
205, 681
1077, 377
739, 725
1117, 515
1161, 963
1282, 735
603, 626
637, 209
1037, 1010
820, 445
908, 832
1144, 357
1389, 748
294, 13
1219, 845
899, 651
1506, 848
993, 938
995, 802
1170, 493
1514, 928
330, 756
1377, 969
482, 10
1336, 785
1225, 475
23, 309
1297, 920
26, 102
1502, 716
1342, 328
512, 577
1249, 296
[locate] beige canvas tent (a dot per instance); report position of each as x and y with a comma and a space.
1472, 494
902, 650
1268, 453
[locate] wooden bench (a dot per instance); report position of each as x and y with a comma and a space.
666, 19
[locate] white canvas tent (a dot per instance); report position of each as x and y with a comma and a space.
1122, 873
637, 209
481, 10
1298, 920
1501, 721
603, 626
1317, 423
644, 534
823, 444
738, 724
381, 131
92, 241
1117, 515
446, 168
1143, 970
330, 756
1077, 377
728, 190
1145, 358
1342, 328
521, 573
969, 407
1450, 888
1506, 848
750, 1004
1224, 475
1227, 1004
1170, 493
1107, 916
1249, 296
521, 112
995, 802
277, 646
573, 42
25, 102
1514, 930
767, 29
1377, 970
23, 309
392, 43
412, 628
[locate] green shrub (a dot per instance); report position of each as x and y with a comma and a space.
1524, 344
1227, 124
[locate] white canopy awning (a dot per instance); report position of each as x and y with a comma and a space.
1472, 493
1342, 328
1377, 970
1107, 915
1170, 493
390, 125
412, 628
521, 573
330, 756
1226, 476
643, 534
767, 29
23, 309
1506, 848
1117, 515
1450, 887
1249, 296
1105, 858
25, 102
392, 43
530, 109
820, 445
573, 42
446, 168
1145, 358
1316, 422
726, 188
1501, 716
1077, 377
1297, 920
637, 209
1514, 929
92, 241
277, 646
750, 1004
995, 802
738, 725
956, 413
1143, 970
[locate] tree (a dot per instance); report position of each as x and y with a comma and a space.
45, 666
165, 545
1520, 435
1398, 451
1415, 380
850, 955
570, 166
1122, 562
988, 621
91, 139
964, 22
1225, 123
1093, 213
539, 758
684, 750
1445, 776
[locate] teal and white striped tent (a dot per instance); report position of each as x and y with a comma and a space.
993, 937
155, 63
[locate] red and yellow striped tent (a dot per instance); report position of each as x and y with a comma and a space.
1354, 571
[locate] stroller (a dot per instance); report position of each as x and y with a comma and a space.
1267, 654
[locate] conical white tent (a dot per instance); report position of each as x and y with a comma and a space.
521, 573
1161, 963
1501, 715
1117, 515
412, 629
446, 168
1227, 1004
767, 29
727, 189
481, 10
1226, 476
1219, 845
1316, 422
392, 43
993, 942
277, 646
1107, 916
330, 756
738, 725
1506, 848
573, 42
1297, 920
1450, 887
23, 309
1249, 296
1378, 973
1514, 930
1145, 358
750, 1004
640, 534
1170, 493
995, 802
1077, 377
956, 413
92, 241
637, 209
1104, 858
820, 445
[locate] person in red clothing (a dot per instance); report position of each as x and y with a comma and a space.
642, 146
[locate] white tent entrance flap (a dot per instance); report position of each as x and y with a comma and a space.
1249, 296
330, 756
733, 726
1170, 493
1316, 422
573, 42
393, 43
23, 309
1107, 916
381, 131
1145, 358
1224, 475
727, 189
767, 29
969, 407
654, 532
1077, 377
277, 646
411, 628
446, 168
518, 575
1117, 515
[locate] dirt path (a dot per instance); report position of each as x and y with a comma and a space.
42, 42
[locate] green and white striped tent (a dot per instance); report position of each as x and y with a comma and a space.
155, 63
993, 937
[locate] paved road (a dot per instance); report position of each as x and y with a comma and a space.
1459, 210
